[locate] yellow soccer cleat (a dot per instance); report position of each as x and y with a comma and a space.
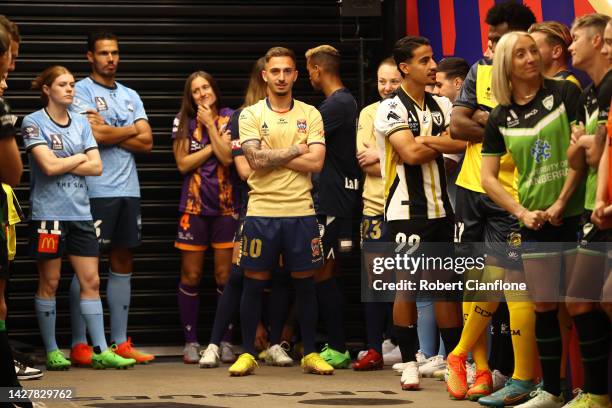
243, 366
314, 363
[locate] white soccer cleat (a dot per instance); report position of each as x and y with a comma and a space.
410, 377
209, 358
277, 356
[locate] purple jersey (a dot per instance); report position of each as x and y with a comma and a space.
210, 188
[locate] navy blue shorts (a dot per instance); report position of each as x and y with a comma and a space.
296, 239
118, 221
374, 229
53, 239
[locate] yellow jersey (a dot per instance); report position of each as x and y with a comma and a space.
373, 186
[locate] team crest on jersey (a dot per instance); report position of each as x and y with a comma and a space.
548, 102
540, 150
56, 142
301, 125
392, 105
101, 103
236, 144
512, 119
30, 131
129, 106
437, 118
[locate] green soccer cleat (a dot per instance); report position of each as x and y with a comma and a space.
108, 359
335, 358
56, 361
514, 392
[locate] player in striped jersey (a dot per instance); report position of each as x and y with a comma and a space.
412, 133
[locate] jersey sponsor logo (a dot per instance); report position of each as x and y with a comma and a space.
195, 146
437, 118
30, 131
129, 106
531, 113
393, 115
351, 184
548, 102
8, 119
175, 125
48, 243
236, 144
540, 150
512, 119
56, 142
265, 130
281, 121
301, 125
101, 104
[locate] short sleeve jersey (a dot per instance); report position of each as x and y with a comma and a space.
208, 189
476, 93
537, 135
413, 191
119, 106
242, 186
7, 130
339, 179
568, 76
593, 111
280, 192
373, 186
63, 197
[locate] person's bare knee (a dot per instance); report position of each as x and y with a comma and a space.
257, 275
223, 265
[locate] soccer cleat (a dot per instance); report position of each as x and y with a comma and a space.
543, 399
109, 359
227, 353
432, 365
335, 358
262, 354
80, 355
209, 358
456, 385
371, 360
26, 373
393, 357
56, 361
127, 350
315, 364
410, 377
243, 366
499, 380
387, 346
483, 385
191, 353
277, 356
587, 400
515, 392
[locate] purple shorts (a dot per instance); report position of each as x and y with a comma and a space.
198, 232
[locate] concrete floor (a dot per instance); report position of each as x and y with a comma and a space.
174, 384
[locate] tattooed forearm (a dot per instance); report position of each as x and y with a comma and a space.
268, 158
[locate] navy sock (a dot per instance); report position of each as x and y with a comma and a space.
548, 338
306, 308
228, 305
330, 305
375, 324
593, 333
407, 338
250, 311
279, 305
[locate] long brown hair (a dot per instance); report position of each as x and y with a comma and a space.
256, 90
188, 106
46, 78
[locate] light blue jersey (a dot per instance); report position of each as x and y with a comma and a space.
64, 197
119, 106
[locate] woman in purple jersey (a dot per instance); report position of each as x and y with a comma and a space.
208, 206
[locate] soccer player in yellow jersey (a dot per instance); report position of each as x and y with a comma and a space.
479, 219
553, 40
373, 226
412, 127
283, 141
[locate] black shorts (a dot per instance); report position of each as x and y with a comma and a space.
118, 221
592, 239
422, 230
480, 219
337, 235
296, 239
374, 229
533, 242
53, 239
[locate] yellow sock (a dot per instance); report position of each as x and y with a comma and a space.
477, 322
522, 328
480, 352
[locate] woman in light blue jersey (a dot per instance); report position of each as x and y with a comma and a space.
62, 151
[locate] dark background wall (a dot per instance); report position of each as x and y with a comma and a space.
161, 43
